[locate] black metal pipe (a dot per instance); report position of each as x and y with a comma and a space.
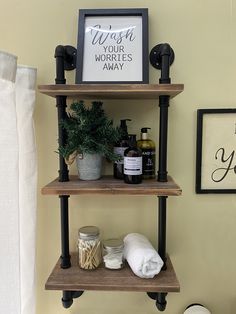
163, 134
165, 79
68, 296
162, 229
65, 60
162, 56
165, 53
161, 301
60, 70
61, 110
65, 250
160, 298
62, 137
67, 299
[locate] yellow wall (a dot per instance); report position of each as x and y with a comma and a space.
201, 228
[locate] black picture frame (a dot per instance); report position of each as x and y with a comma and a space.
83, 76
216, 151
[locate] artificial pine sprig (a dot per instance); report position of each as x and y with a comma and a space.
89, 131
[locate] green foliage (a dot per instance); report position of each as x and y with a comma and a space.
89, 131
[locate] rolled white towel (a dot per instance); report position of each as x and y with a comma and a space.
143, 259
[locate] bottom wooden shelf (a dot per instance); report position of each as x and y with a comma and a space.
74, 279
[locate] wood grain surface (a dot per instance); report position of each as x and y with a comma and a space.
110, 186
74, 279
109, 91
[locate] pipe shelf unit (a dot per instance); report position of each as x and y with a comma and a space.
66, 275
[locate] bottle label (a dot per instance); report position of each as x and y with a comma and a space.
133, 165
148, 161
120, 151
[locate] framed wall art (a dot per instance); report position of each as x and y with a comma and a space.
216, 151
112, 46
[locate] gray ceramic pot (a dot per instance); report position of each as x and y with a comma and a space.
89, 166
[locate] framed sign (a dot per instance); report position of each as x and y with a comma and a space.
216, 151
112, 46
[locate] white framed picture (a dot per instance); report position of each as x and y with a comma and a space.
112, 46
216, 151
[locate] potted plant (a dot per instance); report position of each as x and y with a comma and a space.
90, 136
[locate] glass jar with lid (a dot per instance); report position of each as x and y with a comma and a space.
89, 247
113, 253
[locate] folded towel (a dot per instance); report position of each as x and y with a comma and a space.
143, 259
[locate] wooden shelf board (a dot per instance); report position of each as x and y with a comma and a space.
75, 279
110, 186
115, 91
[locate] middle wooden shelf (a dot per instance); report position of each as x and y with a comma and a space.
107, 185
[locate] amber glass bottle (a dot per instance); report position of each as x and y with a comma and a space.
133, 162
119, 148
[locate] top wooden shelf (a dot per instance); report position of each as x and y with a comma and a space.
109, 91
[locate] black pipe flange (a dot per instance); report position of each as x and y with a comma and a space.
76, 294
70, 58
67, 300
68, 54
160, 298
161, 301
68, 296
157, 52
152, 295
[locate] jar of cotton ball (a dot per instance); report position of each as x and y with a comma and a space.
89, 248
113, 253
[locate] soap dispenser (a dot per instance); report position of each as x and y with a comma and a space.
148, 149
132, 162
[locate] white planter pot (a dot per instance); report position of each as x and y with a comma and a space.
89, 166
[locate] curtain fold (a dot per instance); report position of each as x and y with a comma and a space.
25, 102
18, 182
9, 189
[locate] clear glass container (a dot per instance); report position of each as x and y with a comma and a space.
113, 257
89, 248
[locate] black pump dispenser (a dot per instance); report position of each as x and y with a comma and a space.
145, 130
132, 140
123, 125
119, 148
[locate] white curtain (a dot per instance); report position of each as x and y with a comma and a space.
25, 101
18, 175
